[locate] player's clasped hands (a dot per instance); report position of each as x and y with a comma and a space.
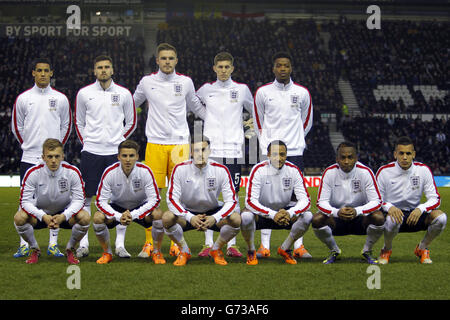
282, 217
347, 213
53, 222
126, 218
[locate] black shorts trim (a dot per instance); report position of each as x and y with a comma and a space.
189, 226
114, 222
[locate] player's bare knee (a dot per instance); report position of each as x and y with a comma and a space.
376, 218
235, 220
168, 219
20, 218
83, 218
99, 218
157, 214
318, 220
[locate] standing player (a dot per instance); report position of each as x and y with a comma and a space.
283, 110
101, 109
402, 184
192, 199
225, 100
52, 195
271, 185
348, 201
127, 192
40, 113
168, 94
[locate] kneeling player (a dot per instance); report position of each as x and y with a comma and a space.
349, 203
127, 192
402, 184
52, 196
271, 186
192, 198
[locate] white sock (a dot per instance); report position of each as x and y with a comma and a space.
373, 234
227, 232
87, 207
102, 233
298, 230
248, 227
53, 238
120, 235
209, 237
232, 242
298, 243
326, 236
265, 238
391, 229
434, 229
78, 232
176, 234
27, 233
157, 234
23, 242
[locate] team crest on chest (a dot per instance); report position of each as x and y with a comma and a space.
415, 182
356, 185
52, 104
211, 183
234, 95
137, 184
115, 99
287, 182
178, 89
63, 185
294, 100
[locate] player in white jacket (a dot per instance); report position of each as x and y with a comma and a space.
192, 199
268, 201
349, 202
127, 192
225, 101
402, 184
105, 116
283, 111
52, 196
40, 113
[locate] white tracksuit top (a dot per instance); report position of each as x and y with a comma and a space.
224, 101
100, 116
404, 188
283, 112
46, 192
138, 191
39, 114
357, 189
270, 189
197, 190
168, 98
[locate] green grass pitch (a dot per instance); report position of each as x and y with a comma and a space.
201, 279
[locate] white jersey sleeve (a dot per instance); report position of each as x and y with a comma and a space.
66, 120
228, 194
129, 110
373, 194
193, 102
301, 193
18, 118
258, 112
307, 113
139, 94
28, 192
80, 115
324, 194
152, 193
174, 194
77, 191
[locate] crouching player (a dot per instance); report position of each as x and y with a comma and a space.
271, 186
52, 196
192, 199
127, 192
402, 184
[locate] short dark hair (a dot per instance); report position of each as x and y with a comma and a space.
199, 138
102, 58
281, 54
276, 143
223, 56
129, 144
51, 144
345, 144
165, 46
41, 60
404, 141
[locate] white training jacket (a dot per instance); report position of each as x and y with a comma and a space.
224, 101
404, 188
357, 189
138, 191
270, 189
197, 190
283, 112
39, 114
100, 116
46, 192
168, 98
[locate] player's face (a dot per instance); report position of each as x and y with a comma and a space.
167, 60
53, 158
223, 69
200, 153
404, 154
103, 70
277, 156
282, 69
42, 74
346, 158
127, 158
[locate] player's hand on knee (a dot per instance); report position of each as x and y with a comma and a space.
414, 217
396, 214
